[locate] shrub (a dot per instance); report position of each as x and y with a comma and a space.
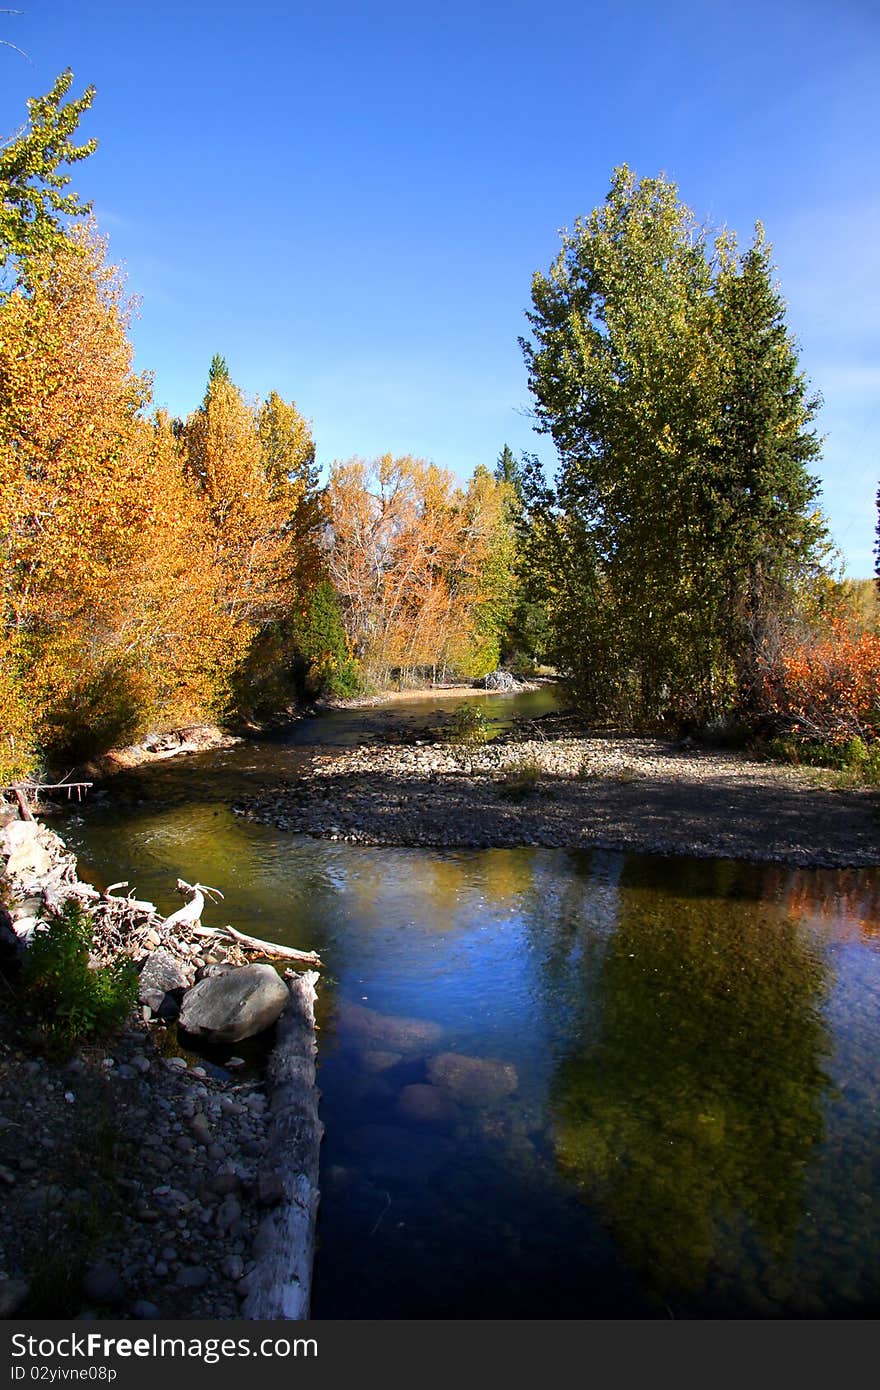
825, 688
468, 725
76, 1001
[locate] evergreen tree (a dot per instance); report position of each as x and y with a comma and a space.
665, 375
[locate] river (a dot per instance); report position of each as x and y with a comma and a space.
556, 1085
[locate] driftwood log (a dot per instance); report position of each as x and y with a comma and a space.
272, 949
279, 1285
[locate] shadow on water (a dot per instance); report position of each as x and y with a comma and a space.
558, 1084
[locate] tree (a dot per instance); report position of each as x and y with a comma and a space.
877, 542
422, 566
33, 204
112, 614
663, 371
761, 518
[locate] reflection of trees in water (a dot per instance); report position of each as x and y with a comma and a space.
697, 1099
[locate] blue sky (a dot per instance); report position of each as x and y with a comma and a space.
348, 200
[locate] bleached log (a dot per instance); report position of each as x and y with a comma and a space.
279, 1285
269, 948
190, 915
134, 904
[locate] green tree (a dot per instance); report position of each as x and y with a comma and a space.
524, 638
33, 201
648, 344
760, 514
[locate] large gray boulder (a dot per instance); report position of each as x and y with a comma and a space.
233, 1006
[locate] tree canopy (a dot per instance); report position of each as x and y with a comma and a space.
661, 366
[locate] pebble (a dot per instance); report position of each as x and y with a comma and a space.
193, 1277
144, 1309
103, 1284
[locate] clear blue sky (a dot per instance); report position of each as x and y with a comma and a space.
348, 200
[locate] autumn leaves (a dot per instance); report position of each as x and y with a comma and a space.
157, 572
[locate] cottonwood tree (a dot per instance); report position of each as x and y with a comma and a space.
661, 366
35, 201
419, 563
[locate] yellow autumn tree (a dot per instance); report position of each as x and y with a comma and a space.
71, 504
113, 617
421, 564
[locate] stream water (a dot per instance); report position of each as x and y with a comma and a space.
553, 1084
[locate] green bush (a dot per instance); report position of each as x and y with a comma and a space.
76, 1002
859, 762
467, 725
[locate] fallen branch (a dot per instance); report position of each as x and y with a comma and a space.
190, 915
134, 904
268, 948
22, 803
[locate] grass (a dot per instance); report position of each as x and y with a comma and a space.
520, 781
849, 765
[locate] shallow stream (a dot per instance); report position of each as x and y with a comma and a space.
553, 1084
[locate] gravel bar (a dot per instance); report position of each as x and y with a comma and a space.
644, 795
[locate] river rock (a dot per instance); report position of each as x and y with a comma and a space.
374, 1062
13, 1293
26, 856
103, 1284
473, 1080
236, 1005
427, 1106
369, 1029
161, 977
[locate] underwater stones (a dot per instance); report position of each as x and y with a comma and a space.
236, 1005
374, 1062
427, 1106
473, 1080
387, 1032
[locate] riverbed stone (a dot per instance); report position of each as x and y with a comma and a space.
473, 1080
103, 1284
13, 1293
369, 1029
239, 1004
373, 1061
427, 1106
161, 977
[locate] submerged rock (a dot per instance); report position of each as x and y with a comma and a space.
427, 1106
374, 1031
236, 1005
473, 1080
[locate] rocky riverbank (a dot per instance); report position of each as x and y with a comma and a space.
135, 1174
574, 792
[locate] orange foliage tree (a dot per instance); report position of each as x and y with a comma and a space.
421, 565
100, 551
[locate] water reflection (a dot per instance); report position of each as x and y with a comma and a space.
691, 1110
696, 1120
